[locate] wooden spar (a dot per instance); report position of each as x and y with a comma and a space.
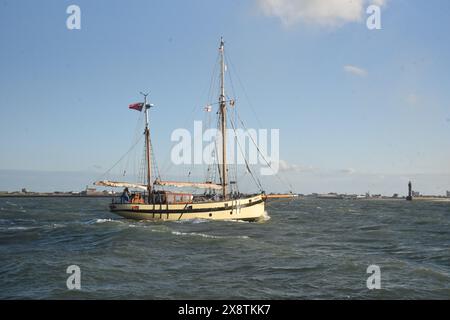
279, 196
147, 147
223, 113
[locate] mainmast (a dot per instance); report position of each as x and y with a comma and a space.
147, 148
223, 114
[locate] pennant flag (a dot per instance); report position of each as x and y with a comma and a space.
208, 108
232, 103
136, 106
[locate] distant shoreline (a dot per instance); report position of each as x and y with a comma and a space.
55, 196
432, 199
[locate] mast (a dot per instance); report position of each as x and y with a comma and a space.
223, 115
147, 148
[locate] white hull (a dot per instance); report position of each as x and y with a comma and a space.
250, 209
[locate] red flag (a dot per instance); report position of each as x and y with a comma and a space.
136, 106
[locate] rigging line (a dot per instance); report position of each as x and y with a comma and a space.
212, 81
216, 153
234, 119
141, 176
269, 204
154, 162
243, 89
169, 164
264, 158
256, 180
121, 158
125, 166
232, 102
208, 126
233, 91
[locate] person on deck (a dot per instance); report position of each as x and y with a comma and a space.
125, 197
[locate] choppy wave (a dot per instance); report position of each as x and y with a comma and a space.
19, 228
266, 216
192, 221
209, 236
309, 249
13, 210
99, 221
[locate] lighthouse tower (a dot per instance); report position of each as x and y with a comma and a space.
409, 197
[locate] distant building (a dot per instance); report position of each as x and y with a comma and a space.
24, 190
448, 194
416, 194
89, 191
95, 192
395, 195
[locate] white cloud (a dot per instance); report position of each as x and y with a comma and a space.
357, 71
348, 171
284, 166
320, 12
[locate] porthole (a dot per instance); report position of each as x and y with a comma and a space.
210, 214
231, 212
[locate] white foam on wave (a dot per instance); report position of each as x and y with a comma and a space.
266, 216
58, 225
19, 228
15, 207
193, 221
105, 221
239, 221
203, 235
15, 210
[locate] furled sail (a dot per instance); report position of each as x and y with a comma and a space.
115, 184
179, 184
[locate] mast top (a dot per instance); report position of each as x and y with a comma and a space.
223, 112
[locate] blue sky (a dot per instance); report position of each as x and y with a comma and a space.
354, 106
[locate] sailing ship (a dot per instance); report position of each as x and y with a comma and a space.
216, 204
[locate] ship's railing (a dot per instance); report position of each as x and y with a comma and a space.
135, 197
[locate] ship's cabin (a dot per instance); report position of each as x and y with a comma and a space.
156, 197
167, 197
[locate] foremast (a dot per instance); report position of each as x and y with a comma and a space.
223, 118
147, 148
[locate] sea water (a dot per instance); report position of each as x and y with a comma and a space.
307, 249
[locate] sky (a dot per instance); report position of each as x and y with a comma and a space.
358, 110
